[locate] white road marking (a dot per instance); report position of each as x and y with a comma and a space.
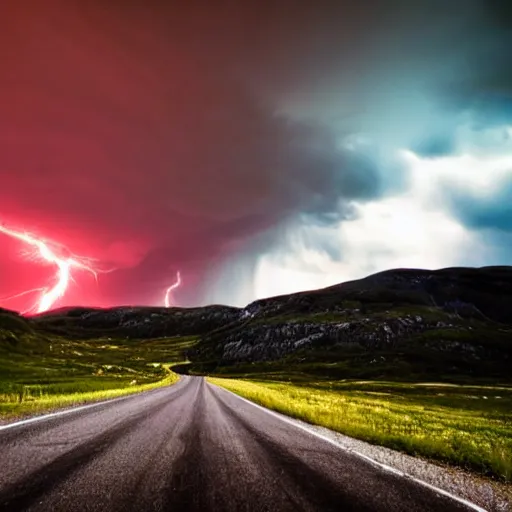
385, 467
75, 409
61, 413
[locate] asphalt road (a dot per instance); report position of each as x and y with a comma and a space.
191, 446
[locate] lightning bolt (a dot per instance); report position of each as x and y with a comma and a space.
45, 251
168, 293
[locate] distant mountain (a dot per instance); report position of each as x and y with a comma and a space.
485, 291
454, 320
442, 323
136, 322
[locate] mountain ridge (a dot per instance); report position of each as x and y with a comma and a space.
459, 317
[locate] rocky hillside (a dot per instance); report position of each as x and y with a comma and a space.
460, 315
134, 322
455, 320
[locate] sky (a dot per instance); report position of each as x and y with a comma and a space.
258, 148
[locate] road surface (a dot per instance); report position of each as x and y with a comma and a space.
191, 447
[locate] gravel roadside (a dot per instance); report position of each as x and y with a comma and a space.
492, 495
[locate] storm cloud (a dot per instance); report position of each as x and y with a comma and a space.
157, 136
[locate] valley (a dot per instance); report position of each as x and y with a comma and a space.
418, 361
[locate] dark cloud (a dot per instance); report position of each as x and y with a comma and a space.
491, 211
440, 144
161, 136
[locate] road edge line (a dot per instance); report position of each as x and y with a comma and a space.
35, 419
55, 414
389, 469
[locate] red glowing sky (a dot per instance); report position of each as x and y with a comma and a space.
138, 135
101, 118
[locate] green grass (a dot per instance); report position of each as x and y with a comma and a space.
466, 426
35, 399
39, 374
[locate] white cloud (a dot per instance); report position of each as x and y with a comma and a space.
413, 229
476, 174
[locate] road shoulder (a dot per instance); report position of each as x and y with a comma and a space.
491, 495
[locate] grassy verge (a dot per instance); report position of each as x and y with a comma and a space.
467, 426
35, 399
38, 375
